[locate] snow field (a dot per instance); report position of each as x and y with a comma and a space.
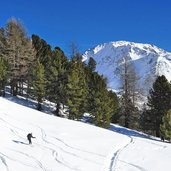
67, 145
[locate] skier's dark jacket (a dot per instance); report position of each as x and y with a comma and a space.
29, 136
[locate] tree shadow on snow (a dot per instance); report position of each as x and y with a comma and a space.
28, 102
129, 132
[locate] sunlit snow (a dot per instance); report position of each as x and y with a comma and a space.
67, 145
149, 61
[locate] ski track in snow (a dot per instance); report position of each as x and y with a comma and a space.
74, 148
4, 162
23, 163
13, 128
59, 150
40, 165
58, 157
55, 154
133, 165
25, 154
115, 158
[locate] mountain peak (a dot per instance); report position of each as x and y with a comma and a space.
149, 61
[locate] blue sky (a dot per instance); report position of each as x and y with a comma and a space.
92, 22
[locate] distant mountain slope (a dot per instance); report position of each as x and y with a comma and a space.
149, 61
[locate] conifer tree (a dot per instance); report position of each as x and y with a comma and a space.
39, 83
43, 50
76, 88
165, 127
102, 103
114, 105
57, 78
159, 102
92, 64
145, 121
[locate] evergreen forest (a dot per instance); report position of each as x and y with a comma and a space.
30, 67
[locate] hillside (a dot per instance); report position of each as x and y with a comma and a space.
66, 145
149, 62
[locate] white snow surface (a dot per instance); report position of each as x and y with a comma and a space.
66, 145
149, 61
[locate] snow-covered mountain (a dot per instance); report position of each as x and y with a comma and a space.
67, 145
149, 61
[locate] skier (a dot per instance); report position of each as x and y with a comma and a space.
29, 136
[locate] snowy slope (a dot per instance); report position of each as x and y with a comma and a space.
149, 61
67, 145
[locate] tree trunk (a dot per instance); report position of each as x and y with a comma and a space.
57, 109
39, 106
158, 130
14, 87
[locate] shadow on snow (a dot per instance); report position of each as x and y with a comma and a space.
129, 132
20, 142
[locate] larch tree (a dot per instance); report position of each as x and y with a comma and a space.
2, 42
129, 91
19, 54
3, 63
3, 76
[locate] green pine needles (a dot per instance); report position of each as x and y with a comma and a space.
165, 127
